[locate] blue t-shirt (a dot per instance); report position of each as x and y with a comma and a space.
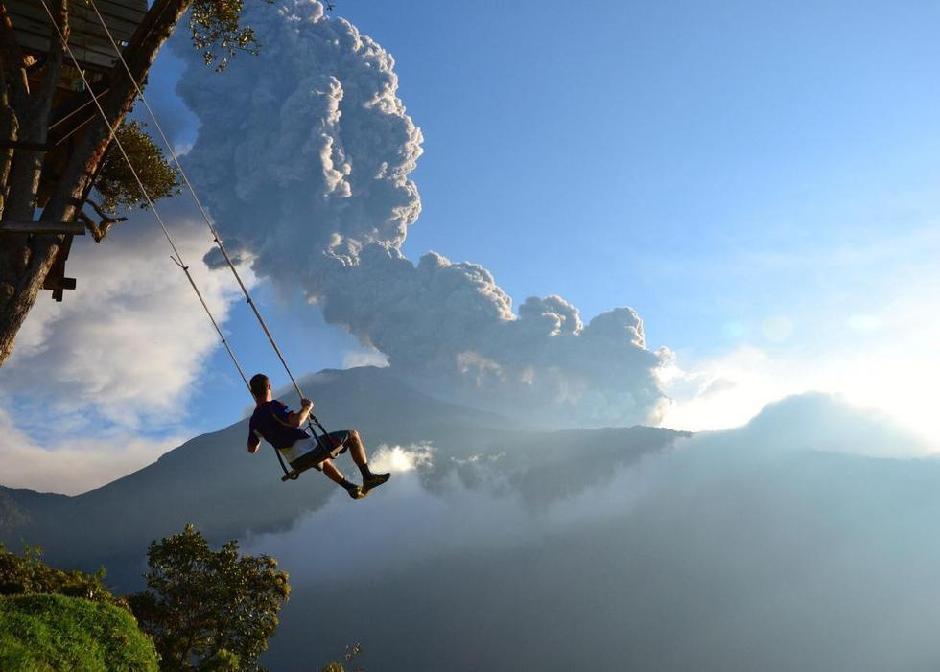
269, 422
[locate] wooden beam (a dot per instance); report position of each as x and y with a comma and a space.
18, 226
22, 144
58, 285
55, 278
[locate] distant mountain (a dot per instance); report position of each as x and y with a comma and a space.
783, 545
212, 481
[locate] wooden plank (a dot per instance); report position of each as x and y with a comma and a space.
131, 10
28, 146
79, 45
83, 21
122, 12
90, 59
82, 25
88, 40
86, 30
21, 226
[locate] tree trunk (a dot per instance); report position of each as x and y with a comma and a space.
25, 260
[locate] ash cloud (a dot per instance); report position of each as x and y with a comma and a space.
304, 158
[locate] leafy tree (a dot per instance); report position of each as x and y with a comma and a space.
117, 185
206, 609
58, 181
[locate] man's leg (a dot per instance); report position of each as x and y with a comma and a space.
357, 451
337, 477
320, 459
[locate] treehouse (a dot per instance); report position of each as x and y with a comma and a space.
73, 106
87, 40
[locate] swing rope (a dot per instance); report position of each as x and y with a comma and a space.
216, 237
177, 256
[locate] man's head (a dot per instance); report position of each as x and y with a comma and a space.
260, 386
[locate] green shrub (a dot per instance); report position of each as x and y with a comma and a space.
46, 633
27, 575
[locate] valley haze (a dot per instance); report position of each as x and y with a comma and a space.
504, 546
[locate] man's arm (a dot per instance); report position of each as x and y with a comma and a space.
300, 417
253, 443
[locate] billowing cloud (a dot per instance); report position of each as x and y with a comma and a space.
305, 151
451, 325
131, 340
305, 155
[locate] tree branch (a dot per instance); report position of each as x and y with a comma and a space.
101, 212
99, 230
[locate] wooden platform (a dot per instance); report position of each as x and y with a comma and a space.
17, 226
88, 39
55, 280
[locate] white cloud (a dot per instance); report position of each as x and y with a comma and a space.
410, 522
364, 357
97, 384
73, 465
896, 375
725, 391
399, 459
131, 339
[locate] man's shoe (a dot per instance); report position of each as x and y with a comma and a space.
357, 492
373, 481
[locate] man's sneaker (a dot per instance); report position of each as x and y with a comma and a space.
356, 492
373, 481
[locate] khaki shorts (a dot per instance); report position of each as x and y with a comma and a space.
328, 446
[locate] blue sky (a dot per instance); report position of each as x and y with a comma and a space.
713, 166
651, 153
758, 181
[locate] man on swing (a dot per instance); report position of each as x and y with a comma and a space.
279, 426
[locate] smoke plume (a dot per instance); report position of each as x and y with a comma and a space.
304, 157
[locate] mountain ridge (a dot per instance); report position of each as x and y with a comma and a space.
212, 481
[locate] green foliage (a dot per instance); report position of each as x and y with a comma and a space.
26, 574
353, 651
116, 183
40, 633
209, 610
217, 31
